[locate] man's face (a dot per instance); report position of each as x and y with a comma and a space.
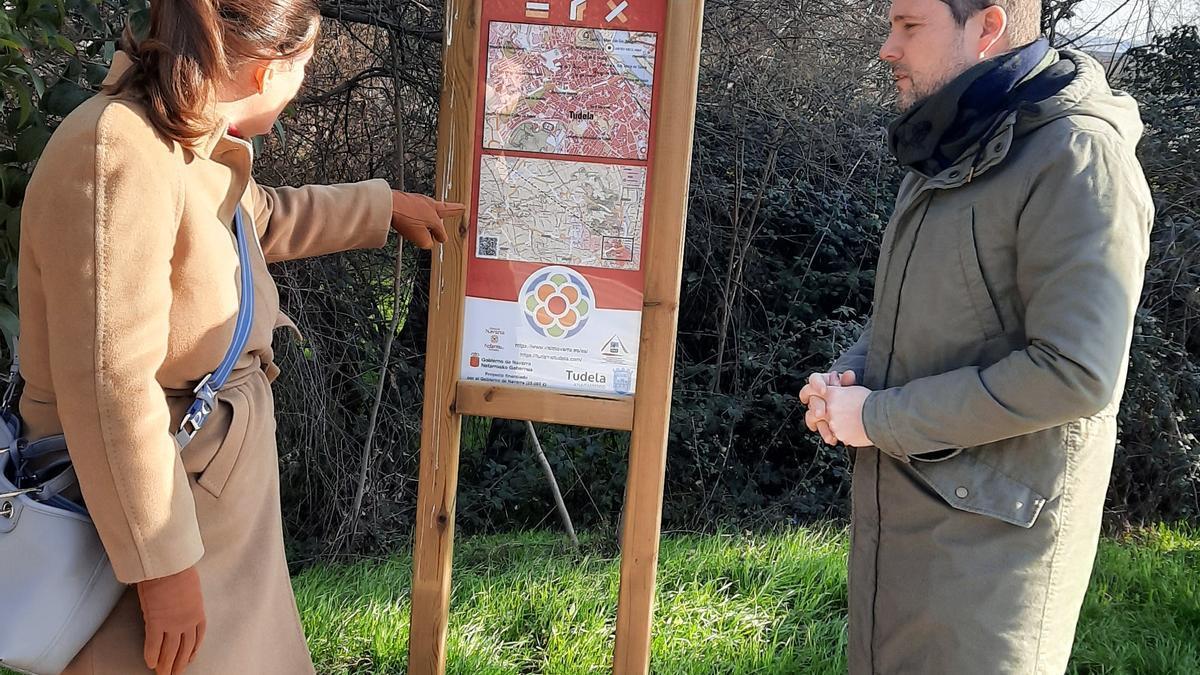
926, 48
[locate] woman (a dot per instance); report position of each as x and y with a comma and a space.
128, 291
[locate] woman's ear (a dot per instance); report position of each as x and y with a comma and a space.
262, 76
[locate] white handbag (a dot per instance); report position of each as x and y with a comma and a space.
56, 583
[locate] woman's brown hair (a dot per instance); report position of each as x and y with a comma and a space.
192, 45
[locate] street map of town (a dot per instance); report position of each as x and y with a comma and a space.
572, 91
560, 212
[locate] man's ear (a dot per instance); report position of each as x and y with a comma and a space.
993, 38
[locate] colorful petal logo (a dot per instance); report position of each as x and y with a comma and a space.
557, 301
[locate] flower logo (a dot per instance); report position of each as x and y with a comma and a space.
557, 301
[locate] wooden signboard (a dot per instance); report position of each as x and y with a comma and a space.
566, 129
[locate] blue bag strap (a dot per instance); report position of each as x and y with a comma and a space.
206, 391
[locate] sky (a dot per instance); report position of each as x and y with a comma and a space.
1129, 21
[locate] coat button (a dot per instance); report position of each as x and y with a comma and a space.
962, 493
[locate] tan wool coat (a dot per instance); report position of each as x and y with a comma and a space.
129, 290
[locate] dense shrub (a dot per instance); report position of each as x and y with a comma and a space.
1157, 472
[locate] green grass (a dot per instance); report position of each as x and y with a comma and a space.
524, 604
772, 603
748, 603
1142, 612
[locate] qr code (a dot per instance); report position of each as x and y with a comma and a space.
488, 247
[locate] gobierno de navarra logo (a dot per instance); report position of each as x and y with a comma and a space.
557, 301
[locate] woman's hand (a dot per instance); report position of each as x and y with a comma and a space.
173, 609
418, 218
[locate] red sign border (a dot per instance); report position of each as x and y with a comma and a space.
502, 279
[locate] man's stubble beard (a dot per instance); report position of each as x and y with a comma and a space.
920, 90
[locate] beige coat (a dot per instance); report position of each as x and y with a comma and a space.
129, 290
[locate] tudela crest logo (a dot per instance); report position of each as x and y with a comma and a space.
557, 301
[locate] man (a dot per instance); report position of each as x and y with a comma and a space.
993, 364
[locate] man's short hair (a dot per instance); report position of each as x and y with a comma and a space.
1024, 16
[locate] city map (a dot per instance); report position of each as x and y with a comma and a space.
572, 91
560, 212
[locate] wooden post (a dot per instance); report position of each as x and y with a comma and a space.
441, 425
647, 412
665, 218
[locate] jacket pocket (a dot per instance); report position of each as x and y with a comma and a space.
218, 454
937, 455
971, 485
976, 287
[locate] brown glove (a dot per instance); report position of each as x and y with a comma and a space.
418, 218
173, 609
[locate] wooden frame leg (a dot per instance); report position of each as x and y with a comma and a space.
639, 556
441, 424
660, 318
433, 552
